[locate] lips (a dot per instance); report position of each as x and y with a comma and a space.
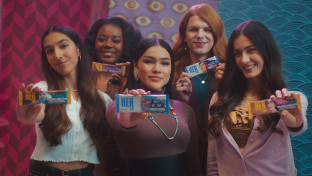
107, 53
155, 78
200, 43
60, 64
249, 67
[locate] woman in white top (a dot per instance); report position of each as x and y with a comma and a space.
66, 134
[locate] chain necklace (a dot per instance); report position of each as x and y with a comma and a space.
149, 115
203, 80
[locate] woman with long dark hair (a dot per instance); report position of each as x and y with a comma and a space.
168, 147
201, 36
111, 41
66, 133
242, 144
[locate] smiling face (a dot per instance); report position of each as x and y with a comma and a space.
62, 53
248, 58
109, 44
154, 68
199, 37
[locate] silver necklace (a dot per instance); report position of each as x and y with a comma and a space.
203, 80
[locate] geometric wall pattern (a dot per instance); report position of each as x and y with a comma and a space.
290, 22
22, 24
155, 19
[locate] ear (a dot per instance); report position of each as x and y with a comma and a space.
135, 65
79, 52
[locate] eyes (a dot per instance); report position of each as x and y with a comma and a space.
208, 30
250, 50
51, 50
116, 41
150, 61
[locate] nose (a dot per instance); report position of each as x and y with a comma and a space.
200, 34
156, 68
108, 44
245, 57
58, 54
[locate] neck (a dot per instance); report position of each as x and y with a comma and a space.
199, 57
254, 87
162, 91
70, 81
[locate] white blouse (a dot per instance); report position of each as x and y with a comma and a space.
76, 143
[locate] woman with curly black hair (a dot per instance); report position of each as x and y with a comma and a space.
111, 41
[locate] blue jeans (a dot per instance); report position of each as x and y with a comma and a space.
40, 169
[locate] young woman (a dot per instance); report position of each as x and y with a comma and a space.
66, 134
201, 36
252, 72
111, 41
147, 148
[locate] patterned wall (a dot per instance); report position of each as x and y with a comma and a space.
22, 25
290, 22
159, 19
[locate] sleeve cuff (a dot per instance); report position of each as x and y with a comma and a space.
295, 129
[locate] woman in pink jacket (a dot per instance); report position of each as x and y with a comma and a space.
242, 144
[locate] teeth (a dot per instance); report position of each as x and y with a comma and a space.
248, 68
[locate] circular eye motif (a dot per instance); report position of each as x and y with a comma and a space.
167, 22
131, 5
174, 37
112, 4
155, 6
180, 7
155, 35
121, 16
143, 21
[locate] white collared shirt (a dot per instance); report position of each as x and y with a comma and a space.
75, 143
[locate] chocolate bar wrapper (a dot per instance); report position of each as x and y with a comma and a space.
268, 106
202, 67
46, 97
142, 103
109, 68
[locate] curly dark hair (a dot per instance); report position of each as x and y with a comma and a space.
233, 85
131, 37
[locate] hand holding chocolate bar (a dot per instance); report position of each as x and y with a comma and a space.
288, 105
29, 114
130, 119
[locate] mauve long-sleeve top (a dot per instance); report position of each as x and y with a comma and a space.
145, 140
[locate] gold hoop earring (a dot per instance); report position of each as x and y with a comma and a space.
79, 58
136, 74
51, 68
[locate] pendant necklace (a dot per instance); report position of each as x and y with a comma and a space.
149, 115
203, 80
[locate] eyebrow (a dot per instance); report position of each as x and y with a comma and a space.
245, 47
151, 57
113, 35
48, 46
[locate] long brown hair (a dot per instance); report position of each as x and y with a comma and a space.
92, 113
211, 17
233, 85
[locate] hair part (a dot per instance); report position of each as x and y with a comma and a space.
137, 54
233, 85
130, 35
211, 17
56, 122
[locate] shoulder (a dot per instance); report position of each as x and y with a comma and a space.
42, 84
214, 98
106, 98
181, 107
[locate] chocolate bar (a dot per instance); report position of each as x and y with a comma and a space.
202, 67
45, 97
109, 68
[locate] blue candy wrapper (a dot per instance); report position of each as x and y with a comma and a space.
46, 97
142, 103
202, 67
